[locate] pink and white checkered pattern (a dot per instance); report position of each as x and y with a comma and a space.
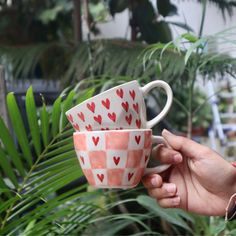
113, 159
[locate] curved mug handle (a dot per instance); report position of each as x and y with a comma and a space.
160, 168
161, 84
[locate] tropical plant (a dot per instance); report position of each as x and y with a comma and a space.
37, 162
42, 189
193, 60
38, 55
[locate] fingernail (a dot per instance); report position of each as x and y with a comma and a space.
176, 201
171, 188
177, 158
154, 182
166, 132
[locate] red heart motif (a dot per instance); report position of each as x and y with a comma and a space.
106, 103
88, 127
81, 116
132, 94
136, 108
95, 140
70, 118
98, 119
137, 138
138, 123
146, 158
91, 106
112, 116
128, 119
82, 159
130, 175
120, 92
101, 177
125, 105
76, 126
116, 160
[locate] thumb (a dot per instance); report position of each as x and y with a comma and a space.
184, 145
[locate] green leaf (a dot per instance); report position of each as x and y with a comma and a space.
219, 228
193, 47
56, 113
60, 150
18, 125
169, 215
33, 120
56, 158
9, 145
44, 117
88, 93
29, 227
232, 232
4, 186
67, 104
7, 168
190, 37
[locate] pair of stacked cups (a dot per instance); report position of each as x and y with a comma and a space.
113, 139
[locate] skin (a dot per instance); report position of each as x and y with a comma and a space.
199, 180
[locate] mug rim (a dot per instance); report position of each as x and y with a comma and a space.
111, 130
98, 95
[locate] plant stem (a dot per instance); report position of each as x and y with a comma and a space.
77, 21
204, 3
20, 188
190, 113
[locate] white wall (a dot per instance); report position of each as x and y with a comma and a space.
191, 12
188, 11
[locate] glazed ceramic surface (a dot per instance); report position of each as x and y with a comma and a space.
114, 159
121, 107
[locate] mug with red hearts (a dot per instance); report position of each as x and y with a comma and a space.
121, 107
116, 158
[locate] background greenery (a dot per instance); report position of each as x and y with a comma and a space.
42, 188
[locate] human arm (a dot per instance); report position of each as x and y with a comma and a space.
199, 181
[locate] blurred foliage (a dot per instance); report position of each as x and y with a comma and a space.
28, 22
43, 191
37, 37
42, 188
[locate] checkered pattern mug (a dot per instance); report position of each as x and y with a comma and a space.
121, 107
116, 158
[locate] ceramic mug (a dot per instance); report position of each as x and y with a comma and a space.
116, 158
121, 107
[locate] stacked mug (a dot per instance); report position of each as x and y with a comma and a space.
113, 139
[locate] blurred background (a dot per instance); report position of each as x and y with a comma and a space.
54, 54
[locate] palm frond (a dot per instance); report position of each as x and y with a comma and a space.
36, 167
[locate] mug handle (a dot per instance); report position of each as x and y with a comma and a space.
161, 84
160, 168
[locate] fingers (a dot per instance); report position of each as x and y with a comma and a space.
152, 181
167, 155
184, 145
170, 202
164, 193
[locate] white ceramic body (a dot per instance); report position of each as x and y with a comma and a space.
115, 158
121, 107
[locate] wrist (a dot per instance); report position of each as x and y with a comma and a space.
231, 207
233, 176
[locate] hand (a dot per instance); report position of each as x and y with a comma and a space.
199, 181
